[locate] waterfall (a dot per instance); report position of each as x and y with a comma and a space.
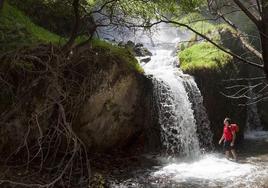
179, 130
185, 128
203, 124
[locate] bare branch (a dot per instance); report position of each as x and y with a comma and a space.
255, 20
239, 33
103, 6
253, 89
245, 79
259, 6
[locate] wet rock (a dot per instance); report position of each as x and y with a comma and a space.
142, 51
130, 44
145, 60
138, 49
138, 45
121, 44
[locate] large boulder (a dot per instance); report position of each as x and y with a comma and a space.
108, 100
120, 111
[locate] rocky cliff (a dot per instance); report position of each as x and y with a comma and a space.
120, 111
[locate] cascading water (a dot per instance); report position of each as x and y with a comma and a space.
185, 130
203, 124
175, 110
180, 130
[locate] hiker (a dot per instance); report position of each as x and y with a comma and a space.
229, 136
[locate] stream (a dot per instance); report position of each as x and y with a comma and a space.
209, 170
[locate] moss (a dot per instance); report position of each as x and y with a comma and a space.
201, 24
121, 53
203, 55
17, 30
199, 54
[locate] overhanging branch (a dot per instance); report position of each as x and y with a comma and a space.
244, 42
214, 43
248, 13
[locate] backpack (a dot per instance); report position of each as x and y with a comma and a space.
236, 127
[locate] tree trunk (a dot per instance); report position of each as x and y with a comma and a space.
264, 38
74, 33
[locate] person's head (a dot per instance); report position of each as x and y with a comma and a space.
227, 121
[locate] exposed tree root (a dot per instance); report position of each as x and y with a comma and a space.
45, 91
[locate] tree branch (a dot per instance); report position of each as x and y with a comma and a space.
103, 6
214, 43
239, 34
248, 13
259, 6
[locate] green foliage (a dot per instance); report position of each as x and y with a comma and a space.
209, 29
54, 15
123, 54
190, 5
152, 10
201, 23
17, 30
203, 56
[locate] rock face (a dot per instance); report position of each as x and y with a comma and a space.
211, 85
120, 112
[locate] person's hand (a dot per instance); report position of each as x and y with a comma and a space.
220, 142
232, 144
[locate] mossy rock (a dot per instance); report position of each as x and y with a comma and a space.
121, 53
203, 56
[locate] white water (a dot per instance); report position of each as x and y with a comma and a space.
201, 117
214, 171
175, 111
